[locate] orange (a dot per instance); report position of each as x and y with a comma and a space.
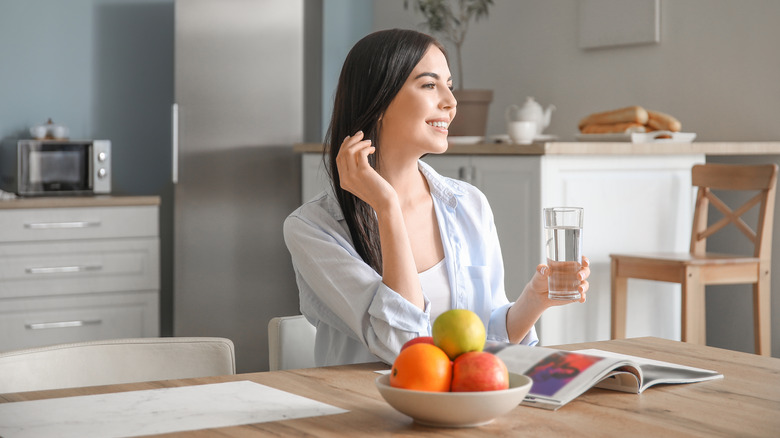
422, 367
458, 331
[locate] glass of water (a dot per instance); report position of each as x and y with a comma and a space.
563, 237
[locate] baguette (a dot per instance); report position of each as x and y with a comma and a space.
658, 121
634, 114
613, 128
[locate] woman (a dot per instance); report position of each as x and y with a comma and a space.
392, 244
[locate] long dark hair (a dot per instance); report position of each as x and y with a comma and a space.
375, 70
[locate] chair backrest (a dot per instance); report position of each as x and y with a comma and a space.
761, 178
114, 361
290, 343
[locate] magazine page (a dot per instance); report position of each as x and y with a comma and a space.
558, 376
650, 372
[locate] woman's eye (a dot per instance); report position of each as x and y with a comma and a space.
429, 85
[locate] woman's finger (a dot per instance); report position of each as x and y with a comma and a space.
346, 157
584, 272
364, 153
356, 156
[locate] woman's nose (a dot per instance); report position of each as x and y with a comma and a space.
448, 100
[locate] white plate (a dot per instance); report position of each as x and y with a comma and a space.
455, 409
465, 139
658, 137
641, 137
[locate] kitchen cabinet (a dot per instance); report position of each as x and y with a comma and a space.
637, 197
78, 269
643, 203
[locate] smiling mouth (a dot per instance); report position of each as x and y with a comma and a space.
441, 125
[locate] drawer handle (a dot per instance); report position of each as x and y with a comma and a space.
63, 269
62, 324
50, 225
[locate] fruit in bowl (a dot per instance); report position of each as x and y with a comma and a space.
418, 340
479, 371
472, 389
422, 367
424, 362
458, 331
455, 409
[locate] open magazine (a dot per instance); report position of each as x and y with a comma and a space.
561, 376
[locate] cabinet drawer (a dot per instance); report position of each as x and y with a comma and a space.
40, 224
35, 322
57, 268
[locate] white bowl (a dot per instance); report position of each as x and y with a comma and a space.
455, 409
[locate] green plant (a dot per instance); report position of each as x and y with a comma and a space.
452, 26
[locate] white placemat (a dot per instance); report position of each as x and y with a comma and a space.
155, 411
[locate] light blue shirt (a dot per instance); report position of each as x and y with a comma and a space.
359, 318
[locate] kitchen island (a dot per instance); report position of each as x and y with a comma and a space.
637, 197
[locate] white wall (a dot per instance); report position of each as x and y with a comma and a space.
716, 69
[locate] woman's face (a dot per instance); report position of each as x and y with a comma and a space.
417, 118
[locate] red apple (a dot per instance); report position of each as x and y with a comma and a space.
418, 340
479, 371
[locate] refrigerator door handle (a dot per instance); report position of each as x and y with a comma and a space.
175, 142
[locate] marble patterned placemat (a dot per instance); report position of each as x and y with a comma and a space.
135, 413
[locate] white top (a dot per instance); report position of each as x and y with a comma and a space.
436, 286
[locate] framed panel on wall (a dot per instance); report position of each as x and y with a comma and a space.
609, 23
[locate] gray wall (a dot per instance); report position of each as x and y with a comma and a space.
715, 69
104, 68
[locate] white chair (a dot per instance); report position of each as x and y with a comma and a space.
114, 361
290, 343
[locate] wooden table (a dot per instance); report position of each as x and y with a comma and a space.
745, 403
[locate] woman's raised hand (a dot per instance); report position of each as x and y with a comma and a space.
358, 177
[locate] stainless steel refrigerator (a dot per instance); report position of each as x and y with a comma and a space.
238, 111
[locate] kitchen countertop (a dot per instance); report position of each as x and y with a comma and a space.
78, 201
598, 148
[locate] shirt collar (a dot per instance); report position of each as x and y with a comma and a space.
332, 204
444, 189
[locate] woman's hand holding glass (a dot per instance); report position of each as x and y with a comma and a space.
538, 286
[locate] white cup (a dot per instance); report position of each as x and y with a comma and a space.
522, 132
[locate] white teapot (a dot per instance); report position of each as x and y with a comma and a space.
531, 111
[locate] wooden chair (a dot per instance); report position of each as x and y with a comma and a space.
698, 268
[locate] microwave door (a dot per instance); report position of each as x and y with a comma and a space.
55, 169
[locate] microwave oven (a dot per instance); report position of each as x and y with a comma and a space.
55, 167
